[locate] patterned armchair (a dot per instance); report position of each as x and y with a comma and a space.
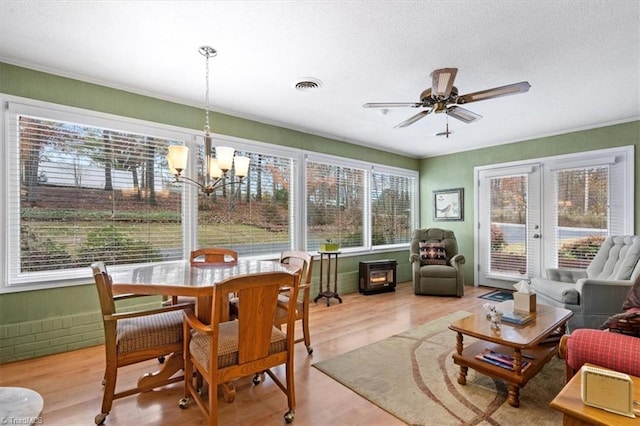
614, 351
436, 263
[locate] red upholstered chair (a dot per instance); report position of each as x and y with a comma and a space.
615, 351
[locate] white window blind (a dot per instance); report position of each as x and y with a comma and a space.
508, 211
393, 198
256, 217
582, 214
82, 193
335, 204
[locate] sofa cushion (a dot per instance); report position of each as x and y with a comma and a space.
616, 259
438, 271
564, 293
432, 253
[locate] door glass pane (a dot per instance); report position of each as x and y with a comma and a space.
508, 212
582, 214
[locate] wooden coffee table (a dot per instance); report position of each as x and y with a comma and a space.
522, 342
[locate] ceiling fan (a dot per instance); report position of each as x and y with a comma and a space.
443, 96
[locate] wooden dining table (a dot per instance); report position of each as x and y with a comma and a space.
185, 279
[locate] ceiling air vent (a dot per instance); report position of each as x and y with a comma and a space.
308, 84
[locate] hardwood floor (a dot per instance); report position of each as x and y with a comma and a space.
70, 383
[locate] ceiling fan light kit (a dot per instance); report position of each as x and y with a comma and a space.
442, 97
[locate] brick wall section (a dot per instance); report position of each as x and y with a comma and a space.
52, 335
62, 334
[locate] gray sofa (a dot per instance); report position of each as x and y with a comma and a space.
599, 291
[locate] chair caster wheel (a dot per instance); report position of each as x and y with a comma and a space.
309, 350
288, 417
100, 418
258, 378
183, 403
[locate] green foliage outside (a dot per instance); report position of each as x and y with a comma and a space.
105, 244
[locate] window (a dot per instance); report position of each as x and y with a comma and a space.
550, 213
335, 205
582, 214
83, 191
84, 186
392, 207
357, 205
257, 217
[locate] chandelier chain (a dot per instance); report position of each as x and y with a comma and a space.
206, 96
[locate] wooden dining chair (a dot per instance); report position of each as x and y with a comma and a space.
132, 337
224, 351
303, 261
213, 255
204, 256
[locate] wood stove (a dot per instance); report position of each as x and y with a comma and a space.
377, 276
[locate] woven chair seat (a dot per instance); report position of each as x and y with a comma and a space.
283, 300
135, 334
228, 345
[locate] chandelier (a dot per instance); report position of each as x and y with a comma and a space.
216, 167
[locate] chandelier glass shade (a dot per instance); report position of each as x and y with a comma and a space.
216, 166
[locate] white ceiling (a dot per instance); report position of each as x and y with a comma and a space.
582, 59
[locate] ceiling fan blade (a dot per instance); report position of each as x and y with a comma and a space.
442, 82
413, 119
496, 92
392, 104
463, 114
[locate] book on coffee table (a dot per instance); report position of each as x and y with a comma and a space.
517, 317
500, 359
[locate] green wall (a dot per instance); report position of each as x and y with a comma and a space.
456, 170
40, 322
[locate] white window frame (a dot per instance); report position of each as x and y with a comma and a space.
368, 169
622, 156
192, 138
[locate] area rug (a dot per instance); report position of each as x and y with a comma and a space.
498, 295
412, 376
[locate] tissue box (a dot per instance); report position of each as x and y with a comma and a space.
329, 247
524, 302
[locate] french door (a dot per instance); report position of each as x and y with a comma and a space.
550, 213
509, 228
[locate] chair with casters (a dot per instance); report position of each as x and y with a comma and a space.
204, 256
304, 262
224, 351
132, 337
213, 255
436, 264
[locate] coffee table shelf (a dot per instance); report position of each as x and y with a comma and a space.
510, 339
539, 357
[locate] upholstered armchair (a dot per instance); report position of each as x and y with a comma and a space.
436, 263
614, 351
598, 292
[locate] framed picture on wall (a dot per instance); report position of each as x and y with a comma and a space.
448, 204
